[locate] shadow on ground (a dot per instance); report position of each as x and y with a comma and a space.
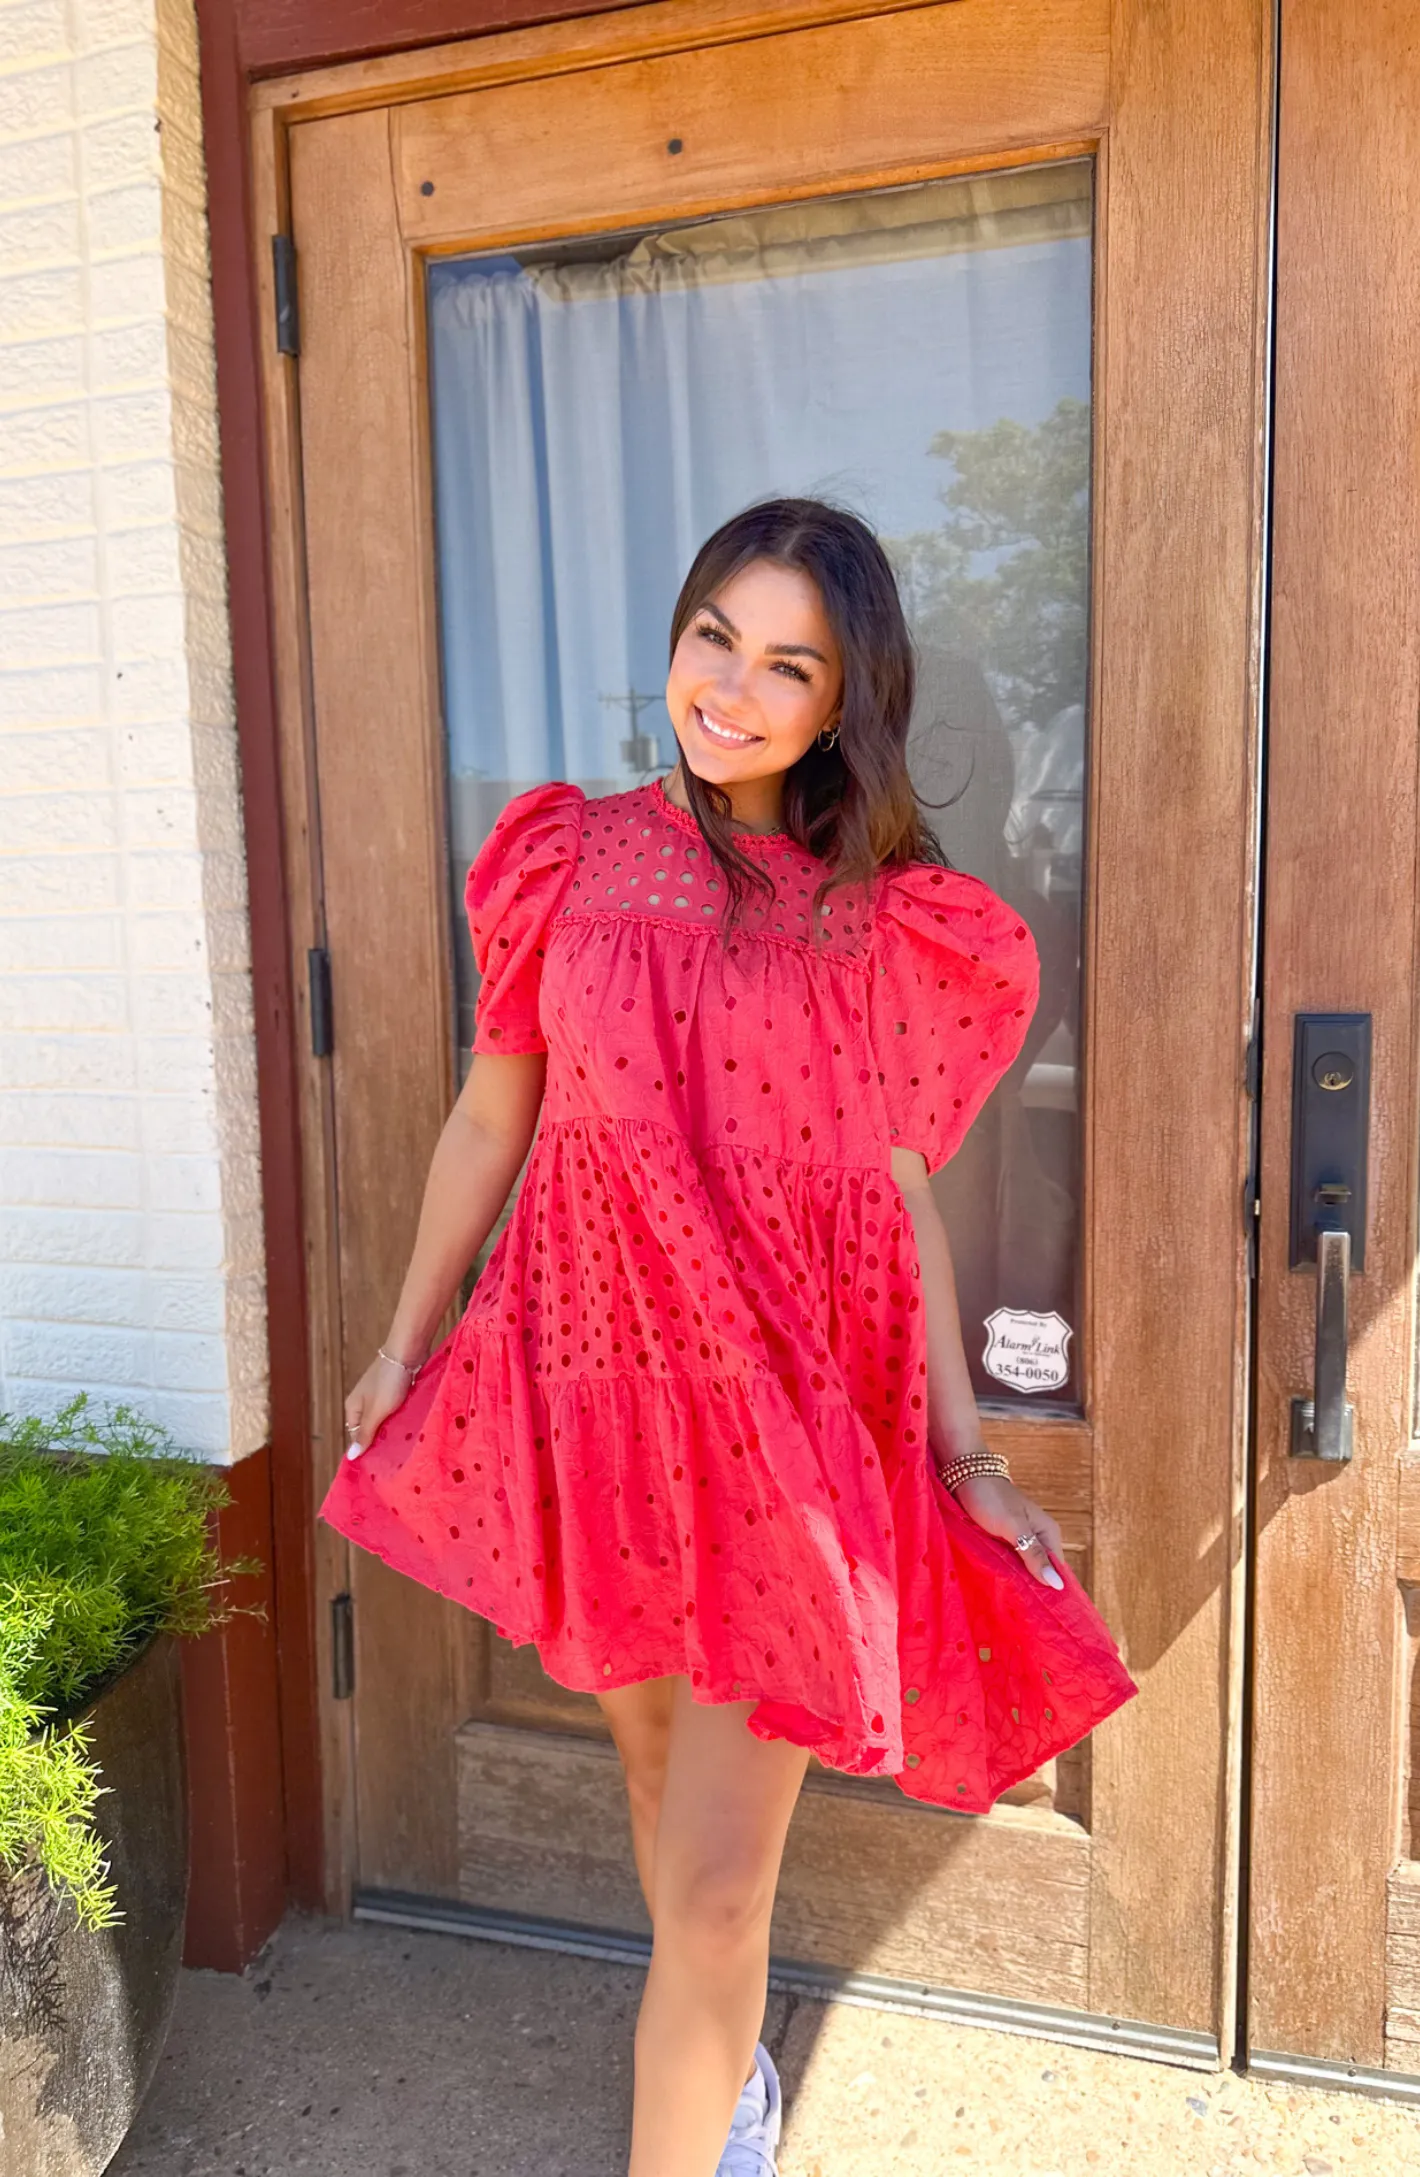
364, 2052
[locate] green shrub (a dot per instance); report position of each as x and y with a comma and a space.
48, 1785
105, 1541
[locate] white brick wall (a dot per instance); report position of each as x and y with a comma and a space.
130, 1223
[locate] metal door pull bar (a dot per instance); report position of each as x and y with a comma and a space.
1322, 1424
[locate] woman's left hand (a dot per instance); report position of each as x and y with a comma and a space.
998, 1506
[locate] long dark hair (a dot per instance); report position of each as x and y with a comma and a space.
853, 806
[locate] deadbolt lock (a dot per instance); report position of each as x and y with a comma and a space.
1334, 1070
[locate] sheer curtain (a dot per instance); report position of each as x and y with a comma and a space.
920, 354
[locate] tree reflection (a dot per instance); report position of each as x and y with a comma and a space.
998, 597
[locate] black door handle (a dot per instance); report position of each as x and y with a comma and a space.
1331, 1111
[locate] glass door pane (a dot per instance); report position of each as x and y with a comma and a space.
921, 355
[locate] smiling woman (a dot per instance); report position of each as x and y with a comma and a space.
790, 691
705, 1436
600, 406
757, 670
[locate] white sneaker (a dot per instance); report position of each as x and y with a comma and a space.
754, 2128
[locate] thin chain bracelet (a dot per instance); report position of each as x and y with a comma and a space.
403, 1366
970, 1463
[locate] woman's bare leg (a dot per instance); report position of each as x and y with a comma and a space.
724, 1813
640, 1720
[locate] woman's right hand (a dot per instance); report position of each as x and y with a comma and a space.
381, 1391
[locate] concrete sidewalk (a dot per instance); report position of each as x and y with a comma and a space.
362, 2052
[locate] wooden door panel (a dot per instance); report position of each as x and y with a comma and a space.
418, 1659
520, 1691
1001, 1905
837, 107
1172, 100
1333, 1866
569, 46
1401, 2045
1183, 273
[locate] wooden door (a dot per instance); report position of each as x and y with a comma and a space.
1334, 1920
458, 1773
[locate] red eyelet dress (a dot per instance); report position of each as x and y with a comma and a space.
682, 1427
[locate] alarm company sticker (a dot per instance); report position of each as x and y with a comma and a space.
1027, 1351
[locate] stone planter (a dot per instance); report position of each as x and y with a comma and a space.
83, 2015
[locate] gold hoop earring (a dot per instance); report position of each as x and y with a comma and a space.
826, 745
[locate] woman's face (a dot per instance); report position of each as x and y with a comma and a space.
755, 676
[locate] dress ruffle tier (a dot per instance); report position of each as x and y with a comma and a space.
681, 1427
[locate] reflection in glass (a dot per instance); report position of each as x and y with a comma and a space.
922, 355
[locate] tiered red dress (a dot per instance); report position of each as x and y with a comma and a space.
682, 1426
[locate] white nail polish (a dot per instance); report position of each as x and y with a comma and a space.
353, 1451
1052, 1577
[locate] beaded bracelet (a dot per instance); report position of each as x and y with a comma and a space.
970, 1463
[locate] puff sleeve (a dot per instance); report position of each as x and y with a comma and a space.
514, 889
954, 979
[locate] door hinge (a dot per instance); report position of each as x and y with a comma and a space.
342, 1647
322, 1006
288, 316
1252, 1066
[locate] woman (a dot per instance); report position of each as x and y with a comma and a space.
706, 1433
